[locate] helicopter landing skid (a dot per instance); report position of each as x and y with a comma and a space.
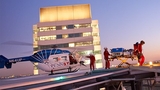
75, 70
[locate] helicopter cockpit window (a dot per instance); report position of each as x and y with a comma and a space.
55, 59
64, 58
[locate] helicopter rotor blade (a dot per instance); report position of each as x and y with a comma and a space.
17, 43
27, 52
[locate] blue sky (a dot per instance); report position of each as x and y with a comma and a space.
121, 24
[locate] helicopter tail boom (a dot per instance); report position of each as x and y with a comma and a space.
4, 62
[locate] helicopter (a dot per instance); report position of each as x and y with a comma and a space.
49, 60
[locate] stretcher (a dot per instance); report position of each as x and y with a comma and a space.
123, 55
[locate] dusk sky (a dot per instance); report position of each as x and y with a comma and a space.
121, 22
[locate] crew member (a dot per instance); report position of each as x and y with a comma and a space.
135, 52
71, 59
92, 61
140, 54
106, 54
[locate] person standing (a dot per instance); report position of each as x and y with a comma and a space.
106, 54
92, 61
140, 53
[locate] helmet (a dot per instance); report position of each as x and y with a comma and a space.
142, 42
91, 54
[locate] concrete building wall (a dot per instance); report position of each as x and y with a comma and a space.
62, 13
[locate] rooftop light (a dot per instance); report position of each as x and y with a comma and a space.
59, 78
150, 63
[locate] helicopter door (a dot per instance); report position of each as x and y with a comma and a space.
59, 60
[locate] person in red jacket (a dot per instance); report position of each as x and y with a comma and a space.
92, 61
140, 55
135, 51
106, 54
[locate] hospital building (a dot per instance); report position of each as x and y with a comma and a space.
70, 27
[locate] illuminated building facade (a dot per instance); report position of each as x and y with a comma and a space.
69, 27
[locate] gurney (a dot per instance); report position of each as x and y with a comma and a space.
123, 55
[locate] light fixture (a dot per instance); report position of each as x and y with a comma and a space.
150, 63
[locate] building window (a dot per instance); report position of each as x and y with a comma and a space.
85, 25
87, 52
70, 35
96, 43
95, 34
35, 49
64, 27
65, 36
86, 34
41, 29
42, 38
95, 26
36, 39
77, 34
83, 43
51, 46
62, 45
58, 27
82, 25
70, 26
76, 25
59, 36
71, 44
97, 52
35, 31
52, 28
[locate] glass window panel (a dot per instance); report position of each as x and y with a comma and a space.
95, 26
52, 28
96, 43
95, 34
71, 44
65, 36
77, 34
70, 26
58, 27
47, 29
64, 27
42, 38
62, 45
97, 52
41, 29
83, 43
51, 46
86, 34
76, 25
85, 25
70, 35
35, 48
59, 36
87, 52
